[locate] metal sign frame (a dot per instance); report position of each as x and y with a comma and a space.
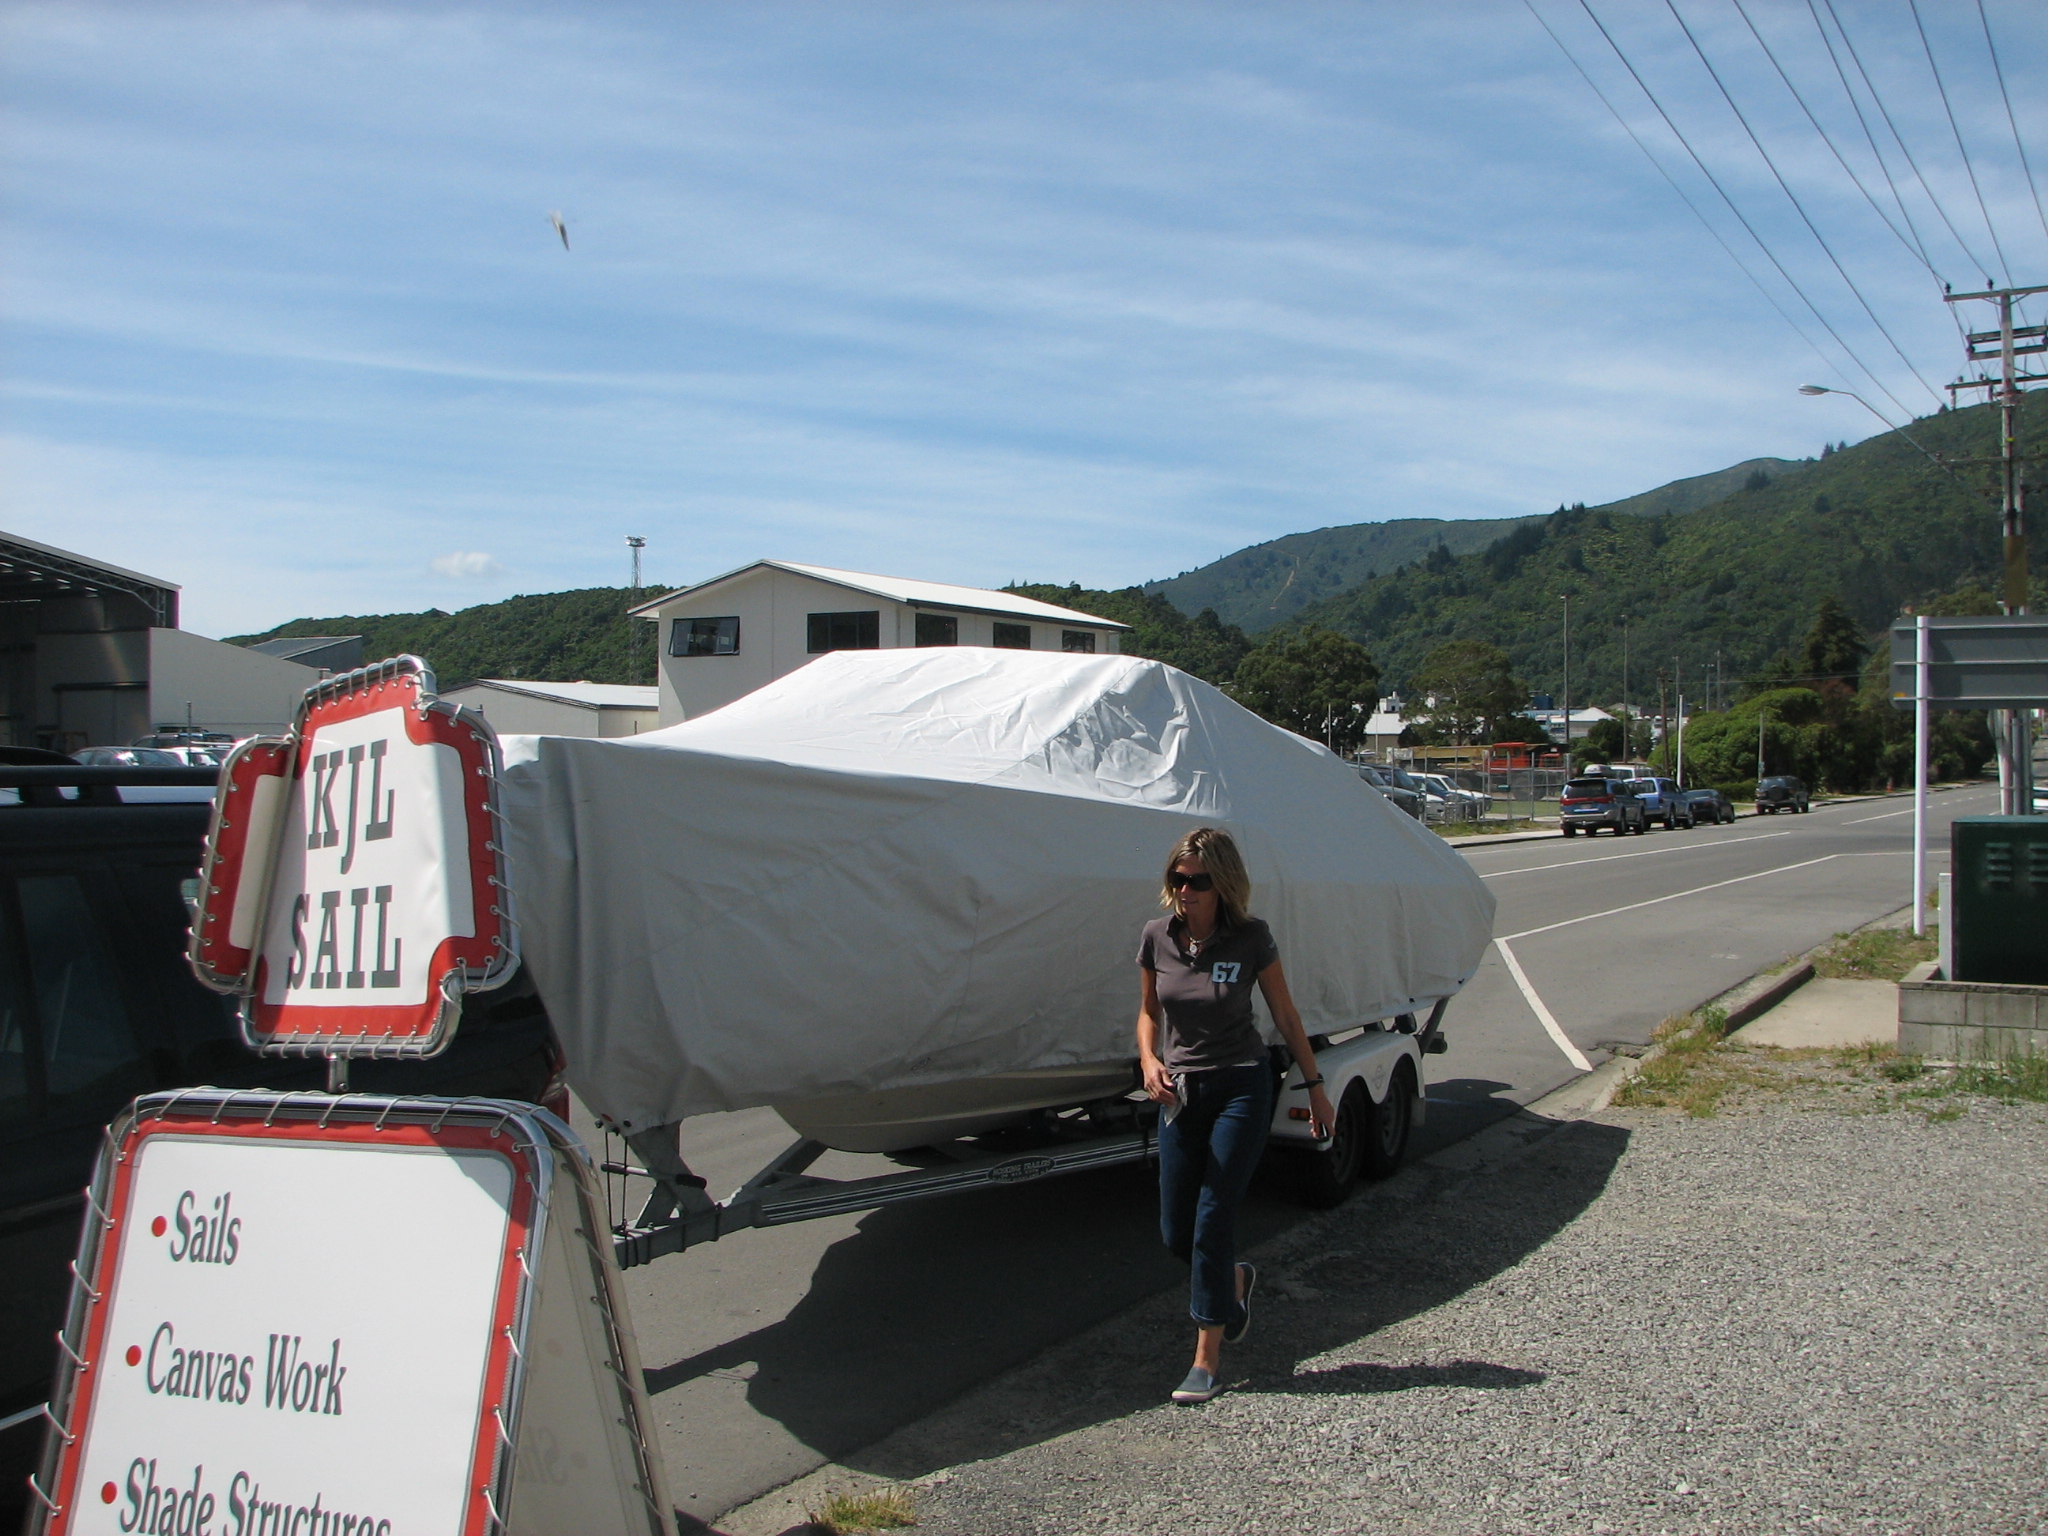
1988, 662
539, 1148
251, 808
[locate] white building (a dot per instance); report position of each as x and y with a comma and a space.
1583, 720
516, 707
734, 633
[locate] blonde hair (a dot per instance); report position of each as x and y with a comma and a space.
1218, 853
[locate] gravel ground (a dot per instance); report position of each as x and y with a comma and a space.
1785, 1318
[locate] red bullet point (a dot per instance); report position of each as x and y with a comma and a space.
107, 1492
135, 1354
156, 1228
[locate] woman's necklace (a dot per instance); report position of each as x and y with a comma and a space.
1195, 943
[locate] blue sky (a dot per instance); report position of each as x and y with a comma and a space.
970, 293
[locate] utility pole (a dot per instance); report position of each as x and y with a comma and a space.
635, 543
1759, 741
1628, 732
1567, 680
2012, 728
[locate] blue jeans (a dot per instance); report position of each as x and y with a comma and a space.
1206, 1158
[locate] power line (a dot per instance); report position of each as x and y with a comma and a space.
1684, 196
1982, 206
1883, 165
1740, 217
1899, 139
1918, 253
1812, 228
1999, 70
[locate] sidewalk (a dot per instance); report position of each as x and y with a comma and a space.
1776, 1319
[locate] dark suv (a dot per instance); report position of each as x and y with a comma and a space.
1781, 792
98, 1005
1590, 804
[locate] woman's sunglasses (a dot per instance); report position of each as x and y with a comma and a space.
1192, 882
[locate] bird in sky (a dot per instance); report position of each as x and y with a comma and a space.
560, 228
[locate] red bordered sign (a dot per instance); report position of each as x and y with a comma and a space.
375, 1314
354, 885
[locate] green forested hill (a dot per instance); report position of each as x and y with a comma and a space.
561, 637
1266, 584
1877, 525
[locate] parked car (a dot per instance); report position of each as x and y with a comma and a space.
1710, 806
1456, 794
151, 757
199, 748
1589, 804
1781, 792
1663, 801
1397, 787
98, 1005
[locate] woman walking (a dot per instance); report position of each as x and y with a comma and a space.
1206, 1066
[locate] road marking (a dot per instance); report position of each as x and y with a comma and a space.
1608, 858
1572, 1053
1635, 906
1887, 816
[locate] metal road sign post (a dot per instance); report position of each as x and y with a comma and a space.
1994, 662
350, 1312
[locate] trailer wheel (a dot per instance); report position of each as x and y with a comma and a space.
1386, 1142
1329, 1173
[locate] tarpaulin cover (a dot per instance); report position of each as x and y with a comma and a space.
918, 866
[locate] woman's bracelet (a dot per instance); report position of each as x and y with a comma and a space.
1314, 1082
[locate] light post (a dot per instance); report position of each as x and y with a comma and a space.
635, 543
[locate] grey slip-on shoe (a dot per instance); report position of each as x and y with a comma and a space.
1198, 1388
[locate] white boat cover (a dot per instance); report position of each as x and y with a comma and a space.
914, 866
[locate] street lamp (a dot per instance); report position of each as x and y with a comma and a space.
1823, 389
1567, 598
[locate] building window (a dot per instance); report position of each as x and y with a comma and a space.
1082, 640
937, 629
845, 631
1014, 637
704, 637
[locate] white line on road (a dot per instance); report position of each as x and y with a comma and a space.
1609, 858
1658, 900
1887, 816
1572, 1053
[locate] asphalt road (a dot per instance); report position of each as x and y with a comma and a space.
777, 1350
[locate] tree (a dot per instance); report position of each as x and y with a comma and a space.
1313, 682
1470, 685
1834, 648
1604, 742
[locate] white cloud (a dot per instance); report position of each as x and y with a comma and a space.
969, 293
467, 565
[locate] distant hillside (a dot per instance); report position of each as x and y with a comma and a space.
1876, 524
1268, 583
561, 637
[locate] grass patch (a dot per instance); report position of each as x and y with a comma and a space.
872, 1509
2013, 1080
1487, 828
1683, 1074
1875, 954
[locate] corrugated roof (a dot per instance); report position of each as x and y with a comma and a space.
904, 589
589, 695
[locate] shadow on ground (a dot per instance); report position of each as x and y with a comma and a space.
927, 1302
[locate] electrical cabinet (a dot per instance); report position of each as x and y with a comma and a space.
1998, 883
